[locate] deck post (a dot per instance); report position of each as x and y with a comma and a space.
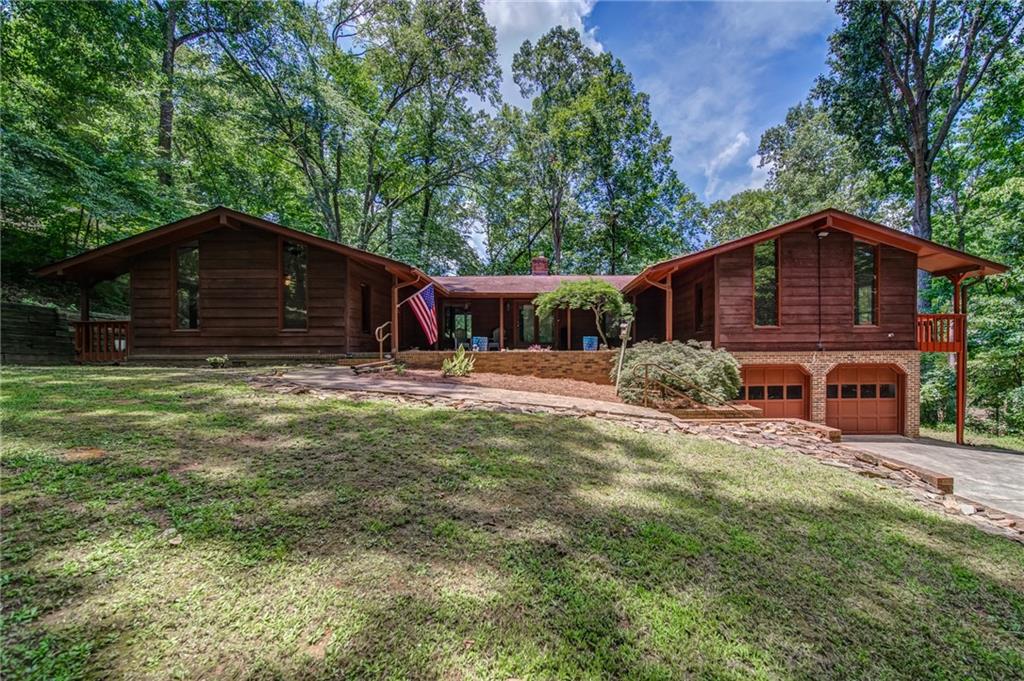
960, 331
668, 307
394, 316
568, 332
501, 323
83, 301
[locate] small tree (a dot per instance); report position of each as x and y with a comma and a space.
595, 295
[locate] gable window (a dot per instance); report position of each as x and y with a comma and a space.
364, 308
766, 283
293, 285
186, 286
698, 306
865, 284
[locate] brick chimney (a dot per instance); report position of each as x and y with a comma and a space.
539, 265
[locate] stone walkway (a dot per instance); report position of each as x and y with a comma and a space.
793, 436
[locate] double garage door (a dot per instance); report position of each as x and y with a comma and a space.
858, 399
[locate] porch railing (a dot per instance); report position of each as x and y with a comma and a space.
941, 332
103, 341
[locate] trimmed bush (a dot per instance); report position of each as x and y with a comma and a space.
715, 372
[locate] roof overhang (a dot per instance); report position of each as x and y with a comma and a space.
112, 260
931, 257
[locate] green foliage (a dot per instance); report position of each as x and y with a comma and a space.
218, 361
714, 372
596, 295
459, 364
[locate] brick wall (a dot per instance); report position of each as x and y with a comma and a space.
819, 364
581, 366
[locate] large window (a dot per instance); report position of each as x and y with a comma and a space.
766, 284
527, 329
460, 324
293, 285
865, 278
186, 286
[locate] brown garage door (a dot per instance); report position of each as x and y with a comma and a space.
779, 391
863, 399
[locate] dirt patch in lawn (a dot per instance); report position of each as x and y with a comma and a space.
566, 387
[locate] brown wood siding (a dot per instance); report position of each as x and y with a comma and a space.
650, 315
380, 283
238, 299
684, 285
798, 291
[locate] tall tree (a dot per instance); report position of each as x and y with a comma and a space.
902, 72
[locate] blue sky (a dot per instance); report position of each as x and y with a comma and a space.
718, 73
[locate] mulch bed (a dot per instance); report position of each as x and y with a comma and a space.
550, 386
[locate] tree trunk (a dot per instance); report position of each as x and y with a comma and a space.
167, 96
922, 221
613, 226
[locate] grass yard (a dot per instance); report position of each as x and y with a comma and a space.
975, 438
324, 539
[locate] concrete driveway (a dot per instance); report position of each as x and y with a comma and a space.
987, 475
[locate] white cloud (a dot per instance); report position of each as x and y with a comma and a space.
723, 159
517, 20
708, 99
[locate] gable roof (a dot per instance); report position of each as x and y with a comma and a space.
113, 259
521, 284
931, 257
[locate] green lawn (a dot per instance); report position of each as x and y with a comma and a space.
325, 539
976, 438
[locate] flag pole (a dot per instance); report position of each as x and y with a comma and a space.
412, 296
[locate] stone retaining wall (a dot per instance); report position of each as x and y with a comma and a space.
819, 364
30, 334
593, 367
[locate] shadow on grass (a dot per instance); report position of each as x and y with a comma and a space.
431, 542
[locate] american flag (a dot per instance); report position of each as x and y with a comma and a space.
422, 304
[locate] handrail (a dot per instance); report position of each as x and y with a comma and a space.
664, 387
102, 340
941, 332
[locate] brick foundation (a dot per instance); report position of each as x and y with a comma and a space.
819, 364
581, 366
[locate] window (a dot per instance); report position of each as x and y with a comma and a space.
755, 392
186, 304
546, 329
887, 391
364, 308
527, 331
766, 284
849, 391
832, 392
293, 286
775, 392
794, 392
868, 391
865, 284
460, 324
698, 306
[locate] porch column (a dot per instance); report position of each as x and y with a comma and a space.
960, 331
394, 316
501, 323
568, 332
83, 301
668, 307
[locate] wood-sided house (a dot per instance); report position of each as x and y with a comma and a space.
821, 312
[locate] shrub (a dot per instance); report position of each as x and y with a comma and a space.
595, 295
459, 364
715, 373
218, 362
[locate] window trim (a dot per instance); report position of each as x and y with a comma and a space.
280, 286
778, 285
877, 311
174, 288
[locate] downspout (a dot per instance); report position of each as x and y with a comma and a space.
821, 234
